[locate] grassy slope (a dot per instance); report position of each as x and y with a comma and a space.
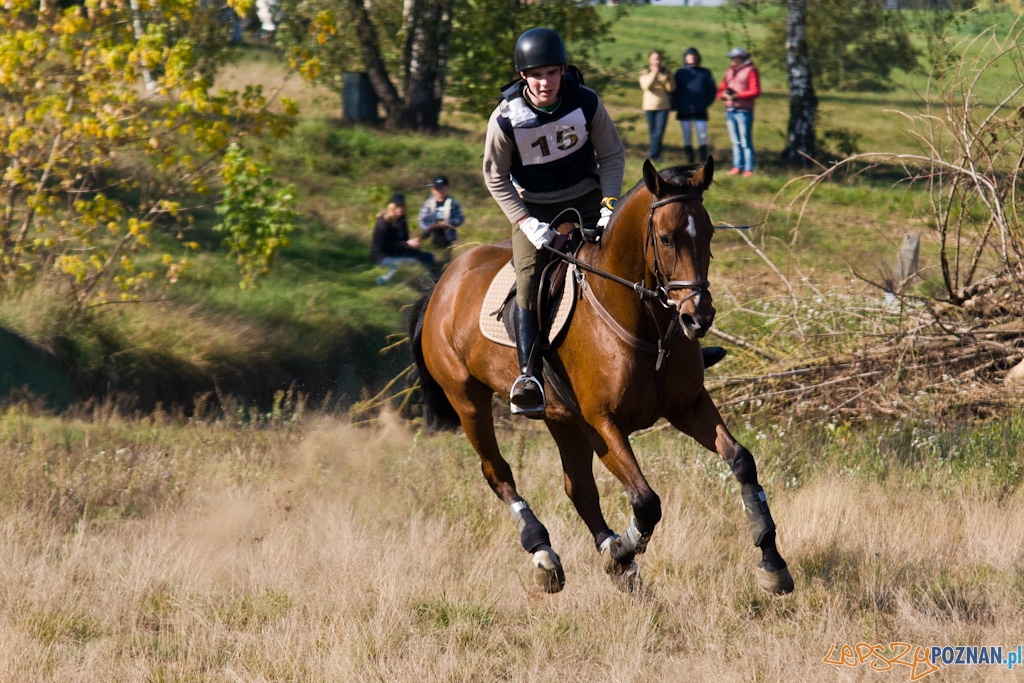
320, 300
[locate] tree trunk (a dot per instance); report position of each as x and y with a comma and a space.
427, 29
803, 102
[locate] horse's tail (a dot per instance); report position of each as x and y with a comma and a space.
438, 413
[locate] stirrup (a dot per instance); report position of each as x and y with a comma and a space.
528, 410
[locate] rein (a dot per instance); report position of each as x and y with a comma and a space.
669, 336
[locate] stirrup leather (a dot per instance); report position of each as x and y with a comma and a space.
527, 410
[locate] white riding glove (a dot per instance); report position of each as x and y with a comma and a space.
538, 233
607, 206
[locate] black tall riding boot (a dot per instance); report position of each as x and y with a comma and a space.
527, 393
702, 154
689, 154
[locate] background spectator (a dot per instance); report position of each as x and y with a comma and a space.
695, 92
657, 84
441, 214
391, 245
740, 86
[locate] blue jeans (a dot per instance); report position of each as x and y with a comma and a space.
702, 132
656, 121
740, 124
393, 262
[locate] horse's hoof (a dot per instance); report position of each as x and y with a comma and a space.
778, 582
625, 577
547, 570
616, 555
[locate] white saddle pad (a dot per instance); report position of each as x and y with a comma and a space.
494, 329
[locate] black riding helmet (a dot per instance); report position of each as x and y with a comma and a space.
539, 47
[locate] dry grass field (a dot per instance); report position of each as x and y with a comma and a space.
229, 544
290, 548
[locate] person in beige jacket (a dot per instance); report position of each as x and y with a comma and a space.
657, 83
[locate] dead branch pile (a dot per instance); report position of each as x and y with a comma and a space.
897, 366
949, 347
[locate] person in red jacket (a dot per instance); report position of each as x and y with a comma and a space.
740, 86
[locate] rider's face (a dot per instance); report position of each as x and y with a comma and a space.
543, 84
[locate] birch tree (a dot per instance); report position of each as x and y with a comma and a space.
803, 101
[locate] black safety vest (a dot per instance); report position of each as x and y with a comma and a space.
552, 151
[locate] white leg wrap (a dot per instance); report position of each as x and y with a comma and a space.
517, 513
607, 543
631, 539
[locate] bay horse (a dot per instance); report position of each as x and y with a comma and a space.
629, 357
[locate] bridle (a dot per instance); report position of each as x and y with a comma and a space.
662, 287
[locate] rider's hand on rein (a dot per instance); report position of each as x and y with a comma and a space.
539, 234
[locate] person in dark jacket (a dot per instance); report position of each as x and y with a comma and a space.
391, 246
694, 93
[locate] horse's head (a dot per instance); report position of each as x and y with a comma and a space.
678, 244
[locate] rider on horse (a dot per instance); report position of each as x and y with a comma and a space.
551, 146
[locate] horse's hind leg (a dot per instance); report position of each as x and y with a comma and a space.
474, 409
703, 422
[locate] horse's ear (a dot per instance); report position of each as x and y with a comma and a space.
701, 180
655, 183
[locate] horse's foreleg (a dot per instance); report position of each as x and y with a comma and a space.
703, 422
478, 423
617, 456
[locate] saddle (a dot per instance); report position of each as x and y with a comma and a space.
558, 295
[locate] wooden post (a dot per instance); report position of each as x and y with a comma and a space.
906, 261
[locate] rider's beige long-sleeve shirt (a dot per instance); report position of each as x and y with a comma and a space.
498, 150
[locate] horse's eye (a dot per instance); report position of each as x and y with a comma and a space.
666, 240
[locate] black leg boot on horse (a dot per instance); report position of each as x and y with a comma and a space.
527, 396
712, 354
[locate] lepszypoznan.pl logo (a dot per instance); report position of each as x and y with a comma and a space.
921, 661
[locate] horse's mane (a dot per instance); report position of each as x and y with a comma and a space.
673, 174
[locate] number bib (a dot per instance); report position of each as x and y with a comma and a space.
552, 141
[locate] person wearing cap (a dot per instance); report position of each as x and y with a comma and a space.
657, 84
695, 92
441, 214
550, 145
391, 245
740, 86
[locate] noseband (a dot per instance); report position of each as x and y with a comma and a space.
663, 286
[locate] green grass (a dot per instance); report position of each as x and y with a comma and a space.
319, 319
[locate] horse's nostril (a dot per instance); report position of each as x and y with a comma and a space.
688, 322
